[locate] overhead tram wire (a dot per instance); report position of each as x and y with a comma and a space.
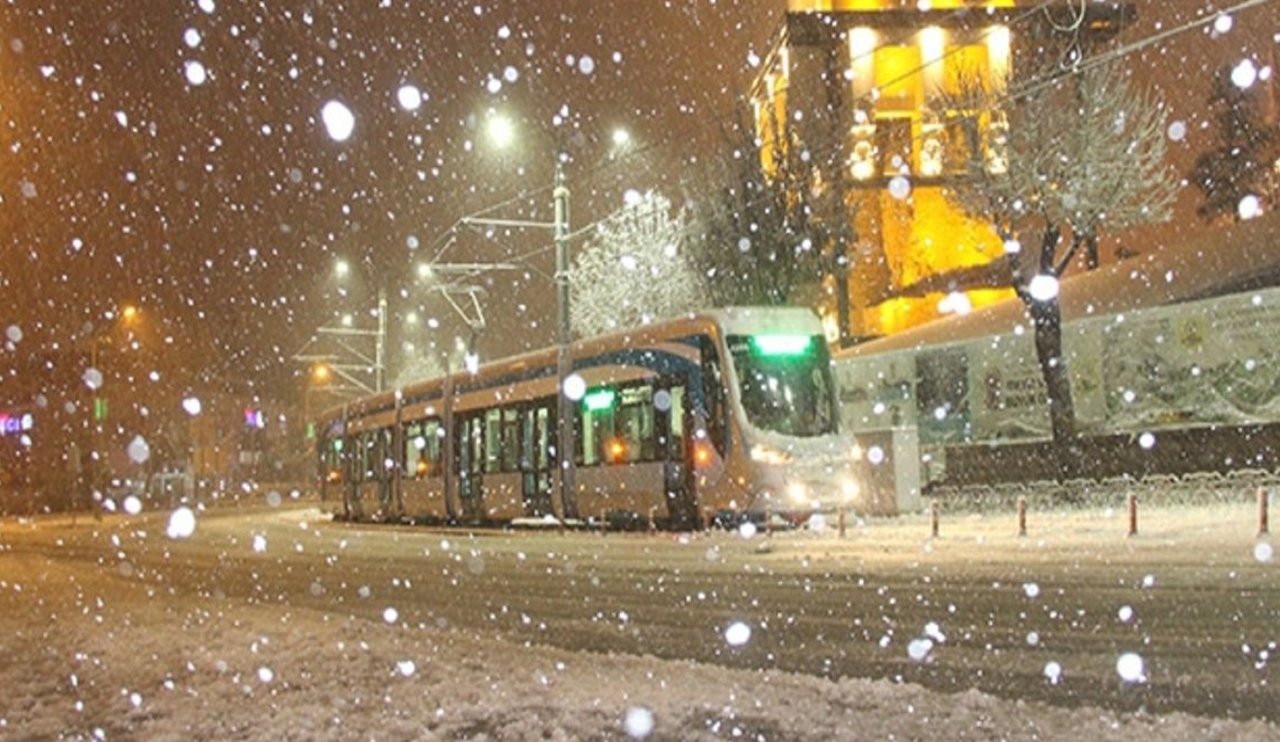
1031, 87
1135, 46
443, 242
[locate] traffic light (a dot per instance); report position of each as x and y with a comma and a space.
99, 408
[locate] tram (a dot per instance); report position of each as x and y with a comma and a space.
727, 414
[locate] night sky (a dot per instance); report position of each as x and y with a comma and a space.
220, 207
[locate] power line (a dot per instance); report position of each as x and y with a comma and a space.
1140, 44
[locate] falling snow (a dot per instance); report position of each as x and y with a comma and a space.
183, 179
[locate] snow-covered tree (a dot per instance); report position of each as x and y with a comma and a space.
765, 217
1246, 161
1051, 166
633, 269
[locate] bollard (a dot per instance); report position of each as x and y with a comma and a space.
1022, 516
1133, 514
653, 527
933, 518
840, 520
1262, 512
768, 521
706, 520
604, 522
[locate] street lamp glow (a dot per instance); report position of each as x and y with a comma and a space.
129, 313
425, 271
621, 137
501, 131
341, 268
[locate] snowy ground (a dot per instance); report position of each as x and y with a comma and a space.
142, 663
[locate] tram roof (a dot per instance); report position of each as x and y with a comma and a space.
729, 320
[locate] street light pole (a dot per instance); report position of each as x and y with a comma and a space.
380, 341
564, 364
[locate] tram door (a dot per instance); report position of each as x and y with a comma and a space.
385, 475
671, 423
535, 459
470, 444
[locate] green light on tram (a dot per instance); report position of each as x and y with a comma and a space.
781, 345
600, 399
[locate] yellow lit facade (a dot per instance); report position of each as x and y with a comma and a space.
872, 78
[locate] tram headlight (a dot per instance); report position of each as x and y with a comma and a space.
767, 454
798, 492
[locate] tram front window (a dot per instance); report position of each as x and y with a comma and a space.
786, 383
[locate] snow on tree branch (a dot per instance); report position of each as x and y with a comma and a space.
633, 270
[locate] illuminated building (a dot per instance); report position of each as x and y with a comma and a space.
866, 84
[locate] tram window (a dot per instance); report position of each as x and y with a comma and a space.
509, 455
597, 429
368, 457
633, 434
387, 460
617, 426
350, 462
332, 460
677, 422
527, 442
413, 453
421, 449
543, 441
492, 440
471, 432
434, 433
714, 387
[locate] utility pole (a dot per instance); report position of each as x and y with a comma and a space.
564, 363
380, 341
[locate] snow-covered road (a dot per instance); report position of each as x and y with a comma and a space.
274, 623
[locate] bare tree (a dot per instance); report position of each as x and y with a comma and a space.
1246, 161
633, 270
762, 224
1051, 168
